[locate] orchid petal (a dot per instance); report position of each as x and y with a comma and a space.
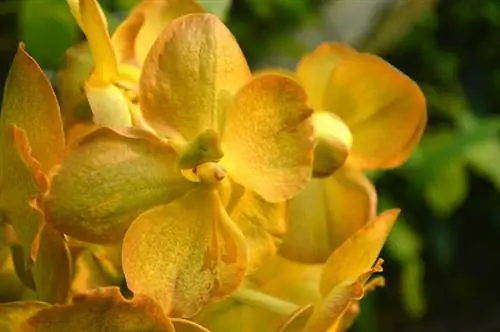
190, 75
268, 138
384, 109
185, 253
315, 68
326, 213
358, 253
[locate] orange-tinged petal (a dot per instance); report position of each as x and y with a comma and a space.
384, 109
262, 223
14, 314
358, 253
315, 68
95, 29
145, 23
124, 37
190, 75
76, 68
326, 213
185, 254
103, 309
327, 315
109, 105
30, 103
31, 141
107, 180
268, 138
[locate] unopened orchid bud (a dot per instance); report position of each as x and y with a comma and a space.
334, 141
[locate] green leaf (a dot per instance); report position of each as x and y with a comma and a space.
448, 189
218, 7
405, 246
484, 158
48, 29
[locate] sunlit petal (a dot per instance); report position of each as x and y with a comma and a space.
145, 23
185, 254
268, 138
96, 31
190, 75
358, 253
109, 106
315, 68
384, 109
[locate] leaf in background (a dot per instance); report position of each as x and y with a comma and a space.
217, 7
445, 186
484, 157
404, 245
48, 30
126, 5
395, 23
447, 189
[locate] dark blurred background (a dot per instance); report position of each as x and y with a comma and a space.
442, 259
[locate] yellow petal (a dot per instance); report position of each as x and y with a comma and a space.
13, 314
109, 105
358, 253
124, 37
144, 24
270, 295
262, 223
106, 181
95, 29
30, 103
327, 315
384, 109
190, 75
298, 320
315, 68
185, 254
103, 309
77, 66
326, 213
268, 138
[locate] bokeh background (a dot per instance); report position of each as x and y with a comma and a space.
443, 257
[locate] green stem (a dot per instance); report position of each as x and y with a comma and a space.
265, 301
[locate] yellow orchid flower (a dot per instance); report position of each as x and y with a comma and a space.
369, 115
109, 67
288, 296
98, 310
32, 141
228, 151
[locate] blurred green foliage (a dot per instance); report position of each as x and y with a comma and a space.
451, 49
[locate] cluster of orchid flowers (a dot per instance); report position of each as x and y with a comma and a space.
228, 200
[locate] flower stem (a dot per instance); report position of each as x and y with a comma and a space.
265, 301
